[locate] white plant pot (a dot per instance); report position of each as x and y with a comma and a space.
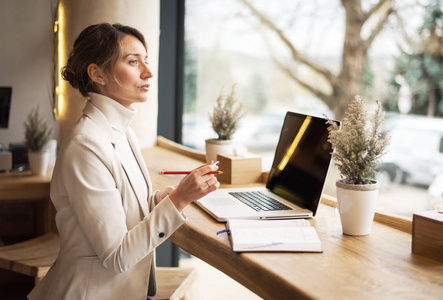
38, 161
357, 204
214, 147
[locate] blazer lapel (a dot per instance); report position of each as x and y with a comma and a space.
97, 116
132, 139
137, 185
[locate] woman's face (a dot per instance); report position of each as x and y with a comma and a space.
129, 83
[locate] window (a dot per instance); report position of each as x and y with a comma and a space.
226, 43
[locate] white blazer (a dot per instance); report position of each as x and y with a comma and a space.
108, 231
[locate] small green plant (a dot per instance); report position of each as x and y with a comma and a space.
226, 115
358, 145
37, 132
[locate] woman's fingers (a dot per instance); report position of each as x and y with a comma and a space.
205, 169
195, 185
211, 181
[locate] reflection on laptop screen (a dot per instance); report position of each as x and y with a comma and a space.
301, 160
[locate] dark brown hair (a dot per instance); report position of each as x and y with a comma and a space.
99, 44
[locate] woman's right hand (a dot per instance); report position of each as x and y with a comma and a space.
194, 186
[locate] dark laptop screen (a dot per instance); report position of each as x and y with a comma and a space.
5, 106
301, 160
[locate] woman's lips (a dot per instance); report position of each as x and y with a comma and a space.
145, 87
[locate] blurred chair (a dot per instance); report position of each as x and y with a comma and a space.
33, 257
173, 283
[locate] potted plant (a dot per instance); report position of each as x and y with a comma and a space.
358, 149
37, 134
224, 119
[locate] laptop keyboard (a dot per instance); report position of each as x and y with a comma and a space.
259, 201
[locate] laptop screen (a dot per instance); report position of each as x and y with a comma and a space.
5, 106
301, 160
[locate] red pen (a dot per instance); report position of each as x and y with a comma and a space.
186, 172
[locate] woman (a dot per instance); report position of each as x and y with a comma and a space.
109, 219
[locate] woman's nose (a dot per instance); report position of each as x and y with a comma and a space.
147, 72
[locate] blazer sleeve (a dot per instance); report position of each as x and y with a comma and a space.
90, 171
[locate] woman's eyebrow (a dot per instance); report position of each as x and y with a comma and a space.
134, 54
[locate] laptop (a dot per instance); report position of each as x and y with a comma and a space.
295, 182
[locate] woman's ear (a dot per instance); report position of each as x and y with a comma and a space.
96, 74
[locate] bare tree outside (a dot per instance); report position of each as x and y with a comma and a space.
347, 83
307, 56
418, 73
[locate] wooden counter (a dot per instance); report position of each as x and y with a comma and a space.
26, 210
377, 266
24, 186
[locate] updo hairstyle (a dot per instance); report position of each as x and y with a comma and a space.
99, 44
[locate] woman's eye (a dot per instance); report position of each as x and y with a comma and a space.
133, 62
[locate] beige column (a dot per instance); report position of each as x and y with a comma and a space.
74, 16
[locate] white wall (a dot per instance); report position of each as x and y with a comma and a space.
25, 58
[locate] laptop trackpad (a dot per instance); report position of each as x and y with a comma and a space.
222, 201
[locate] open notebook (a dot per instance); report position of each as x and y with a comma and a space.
295, 182
294, 235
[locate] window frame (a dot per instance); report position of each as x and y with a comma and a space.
170, 73
170, 94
